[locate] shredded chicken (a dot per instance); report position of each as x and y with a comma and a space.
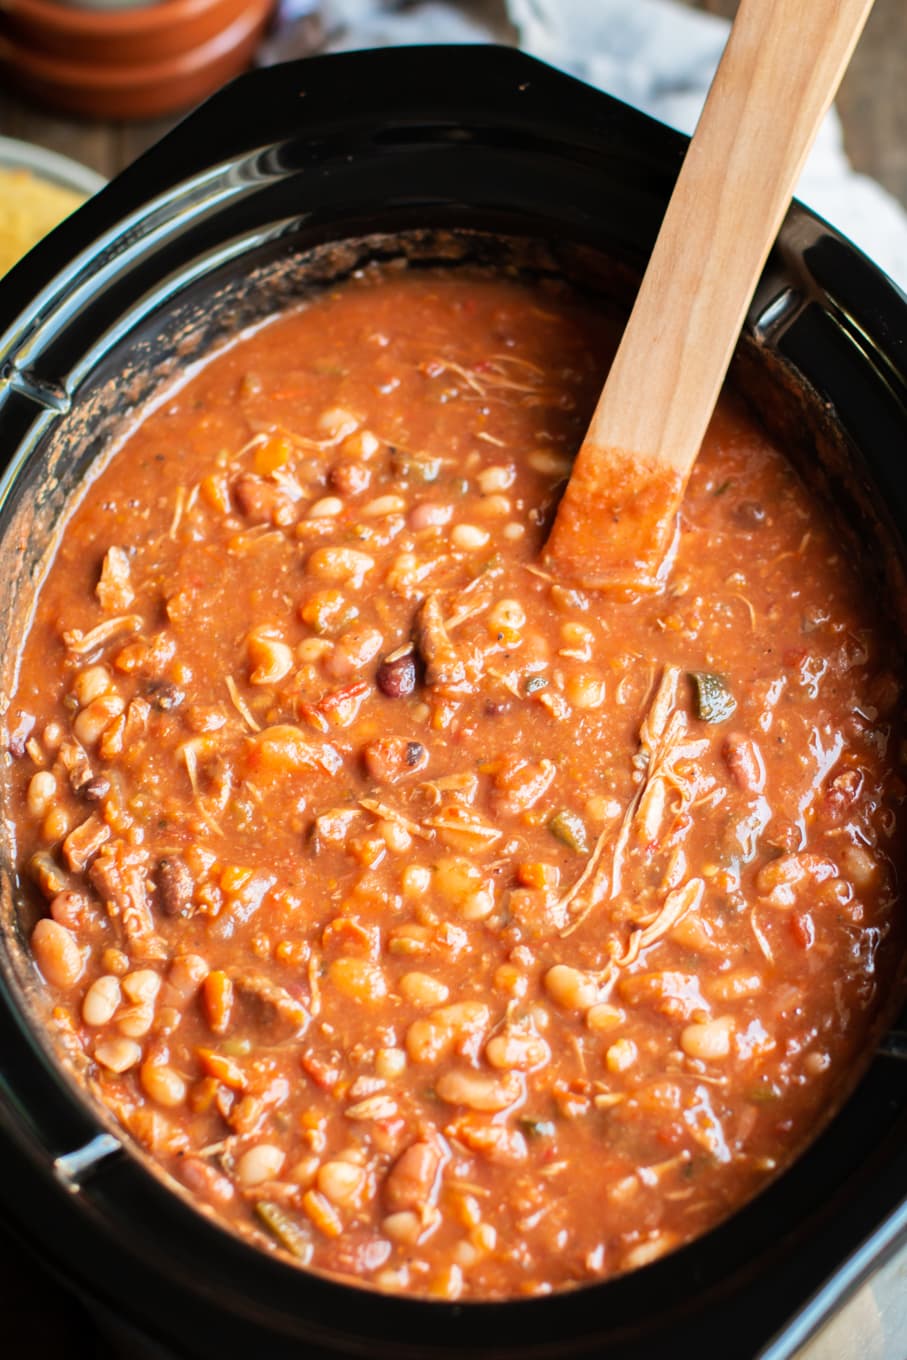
448, 669
83, 644
74, 759
114, 589
389, 814
676, 905
84, 841
664, 750
241, 706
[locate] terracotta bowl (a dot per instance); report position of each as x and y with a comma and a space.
135, 64
140, 36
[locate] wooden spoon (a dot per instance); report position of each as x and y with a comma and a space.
783, 62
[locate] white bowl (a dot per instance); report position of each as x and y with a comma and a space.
49, 165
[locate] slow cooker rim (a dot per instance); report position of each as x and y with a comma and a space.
9, 999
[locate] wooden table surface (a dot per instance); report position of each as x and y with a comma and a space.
39, 1321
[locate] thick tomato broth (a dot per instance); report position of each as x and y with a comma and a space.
433, 921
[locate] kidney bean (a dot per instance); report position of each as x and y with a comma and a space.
396, 676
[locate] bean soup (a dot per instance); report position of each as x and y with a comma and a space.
443, 926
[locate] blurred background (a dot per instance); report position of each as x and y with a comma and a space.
100, 80
872, 102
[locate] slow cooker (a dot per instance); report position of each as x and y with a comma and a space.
287, 179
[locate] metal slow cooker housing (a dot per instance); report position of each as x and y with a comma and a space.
290, 160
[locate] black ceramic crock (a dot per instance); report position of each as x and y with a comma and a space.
202, 235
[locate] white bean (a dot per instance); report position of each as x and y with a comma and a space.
340, 1182
707, 1039
570, 987
162, 1084
621, 1055
91, 683
468, 537
383, 505
56, 952
118, 1055
135, 1021
507, 615
263, 1162
479, 1090
497, 478
337, 423
423, 989
142, 986
42, 790
328, 507
340, 565
429, 515
91, 722
518, 1049
101, 1000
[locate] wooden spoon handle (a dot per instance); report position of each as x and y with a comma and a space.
782, 65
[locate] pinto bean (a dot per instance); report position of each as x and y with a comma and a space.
175, 885
744, 760
519, 784
73, 909
204, 1179
411, 1181
390, 759
495, 1142
349, 479
841, 794
782, 879
353, 650
262, 501
429, 1039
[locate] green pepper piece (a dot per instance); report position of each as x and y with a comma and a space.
288, 1232
538, 1128
714, 700
571, 829
762, 1095
237, 1047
